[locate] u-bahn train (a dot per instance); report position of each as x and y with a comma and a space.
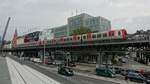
33, 39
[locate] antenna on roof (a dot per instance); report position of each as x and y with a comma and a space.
76, 11
71, 13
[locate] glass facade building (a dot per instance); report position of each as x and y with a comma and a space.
77, 21
95, 24
60, 31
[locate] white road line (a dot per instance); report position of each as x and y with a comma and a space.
29, 75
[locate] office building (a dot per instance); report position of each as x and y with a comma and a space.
95, 24
60, 31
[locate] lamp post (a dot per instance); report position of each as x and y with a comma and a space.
44, 47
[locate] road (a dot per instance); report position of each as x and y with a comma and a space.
76, 79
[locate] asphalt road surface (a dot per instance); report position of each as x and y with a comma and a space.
76, 79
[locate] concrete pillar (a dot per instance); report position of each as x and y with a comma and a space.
99, 60
68, 58
40, 54
52, 55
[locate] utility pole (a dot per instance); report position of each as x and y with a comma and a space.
44, 51
44, 41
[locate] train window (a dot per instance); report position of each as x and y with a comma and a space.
105, 35
119, 33
98, 35
94, 36
84, 37
112, 33
64, 39
67, 39
78, 38
70, 38
60, 39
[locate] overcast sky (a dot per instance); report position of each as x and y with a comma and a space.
27, 14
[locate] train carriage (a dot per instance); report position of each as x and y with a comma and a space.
37, 39
70, 39
104, 36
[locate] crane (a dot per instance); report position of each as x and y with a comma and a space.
6, 27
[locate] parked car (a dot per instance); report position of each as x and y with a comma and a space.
108, 63
50, 62
147, 76
117, 70
72, 64
131, 70
123, 72
123, 60
126, 71
65, 70
105, 72
136, 77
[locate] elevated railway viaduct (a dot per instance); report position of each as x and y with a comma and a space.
107, 48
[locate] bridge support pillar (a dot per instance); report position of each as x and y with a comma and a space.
52, 55
68, 58
44, 56
99, 60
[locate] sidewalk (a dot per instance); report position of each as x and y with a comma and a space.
4, 73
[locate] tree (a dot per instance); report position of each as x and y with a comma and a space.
115, 55
81, 30
114, 60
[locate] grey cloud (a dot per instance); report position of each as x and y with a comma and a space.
29, 13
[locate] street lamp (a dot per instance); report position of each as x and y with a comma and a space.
44, 50
44, 39
44, 36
